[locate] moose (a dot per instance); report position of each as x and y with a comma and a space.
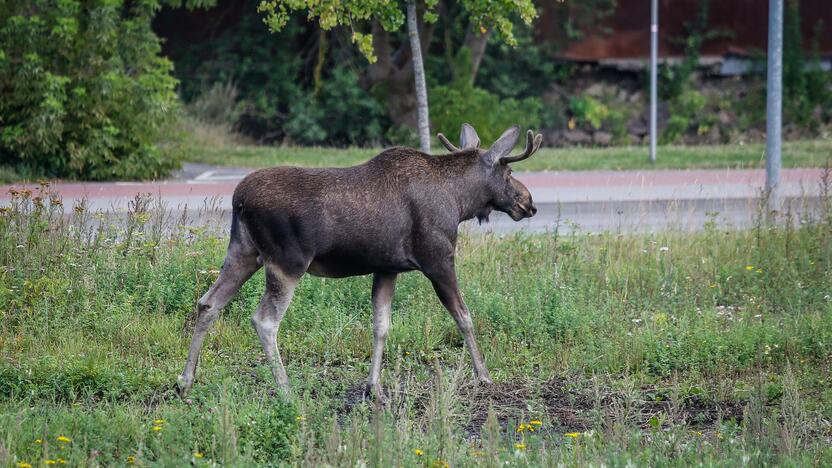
400, 211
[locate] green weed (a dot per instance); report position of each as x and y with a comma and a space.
670, 348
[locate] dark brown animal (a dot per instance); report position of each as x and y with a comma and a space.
397, 212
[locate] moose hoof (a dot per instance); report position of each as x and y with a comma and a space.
183, 386
485, 381
375, 392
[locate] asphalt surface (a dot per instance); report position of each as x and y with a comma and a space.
590, 201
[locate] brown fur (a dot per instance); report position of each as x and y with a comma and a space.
398, 212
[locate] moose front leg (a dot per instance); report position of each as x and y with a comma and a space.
445, 284
383, 287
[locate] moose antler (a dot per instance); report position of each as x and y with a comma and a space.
532, 145
447, 143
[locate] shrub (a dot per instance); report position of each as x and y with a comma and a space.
342, 114
588, 110
685, 111
83, 90
462, 102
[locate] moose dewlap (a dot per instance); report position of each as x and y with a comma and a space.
398, 212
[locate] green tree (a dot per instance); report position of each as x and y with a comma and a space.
384, 17
84, 92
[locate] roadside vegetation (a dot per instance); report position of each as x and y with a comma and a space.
809, 153
666, 348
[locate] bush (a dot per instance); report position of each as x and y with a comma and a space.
490, 115
588, 110
342, 114
685, 111
83, 90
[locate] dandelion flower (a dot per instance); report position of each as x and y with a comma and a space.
38, 441
158, 422
521, 427
198, 455
131, 459
573, 435
536, 422
64, 439
23, 464
157, 428
418, 452
50, 462
520, 446
61, 461
749, 267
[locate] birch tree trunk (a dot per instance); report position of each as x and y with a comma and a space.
419, 77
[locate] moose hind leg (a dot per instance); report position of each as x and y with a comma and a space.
239, 264
383, 288
266, 319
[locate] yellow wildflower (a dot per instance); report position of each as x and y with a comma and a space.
299, 418
38, 441
198, 455
61, 461
131, 459
158, 422
23, 464
50, 462
157, 428
418, 452
64, 439
749, 267
759, 270
522, 427
536, 422
573, 435
520, 446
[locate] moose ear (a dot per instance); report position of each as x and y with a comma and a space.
502, 146
468, 138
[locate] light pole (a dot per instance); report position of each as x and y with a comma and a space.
654, 58
774, 99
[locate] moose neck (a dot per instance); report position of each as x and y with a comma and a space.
465, 181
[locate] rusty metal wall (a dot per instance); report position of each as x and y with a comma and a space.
626, 33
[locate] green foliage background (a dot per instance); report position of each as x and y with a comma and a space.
84, 92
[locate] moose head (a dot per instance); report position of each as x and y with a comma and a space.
505, 193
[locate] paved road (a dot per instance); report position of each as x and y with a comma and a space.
592, 201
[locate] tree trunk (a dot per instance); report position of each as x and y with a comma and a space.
475, 41
419, 77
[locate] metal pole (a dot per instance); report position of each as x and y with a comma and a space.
654, 58
774, 100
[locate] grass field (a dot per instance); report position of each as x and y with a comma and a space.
811, 153
712, 348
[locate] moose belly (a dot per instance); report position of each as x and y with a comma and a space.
340, 265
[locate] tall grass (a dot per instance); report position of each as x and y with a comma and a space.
668, 348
